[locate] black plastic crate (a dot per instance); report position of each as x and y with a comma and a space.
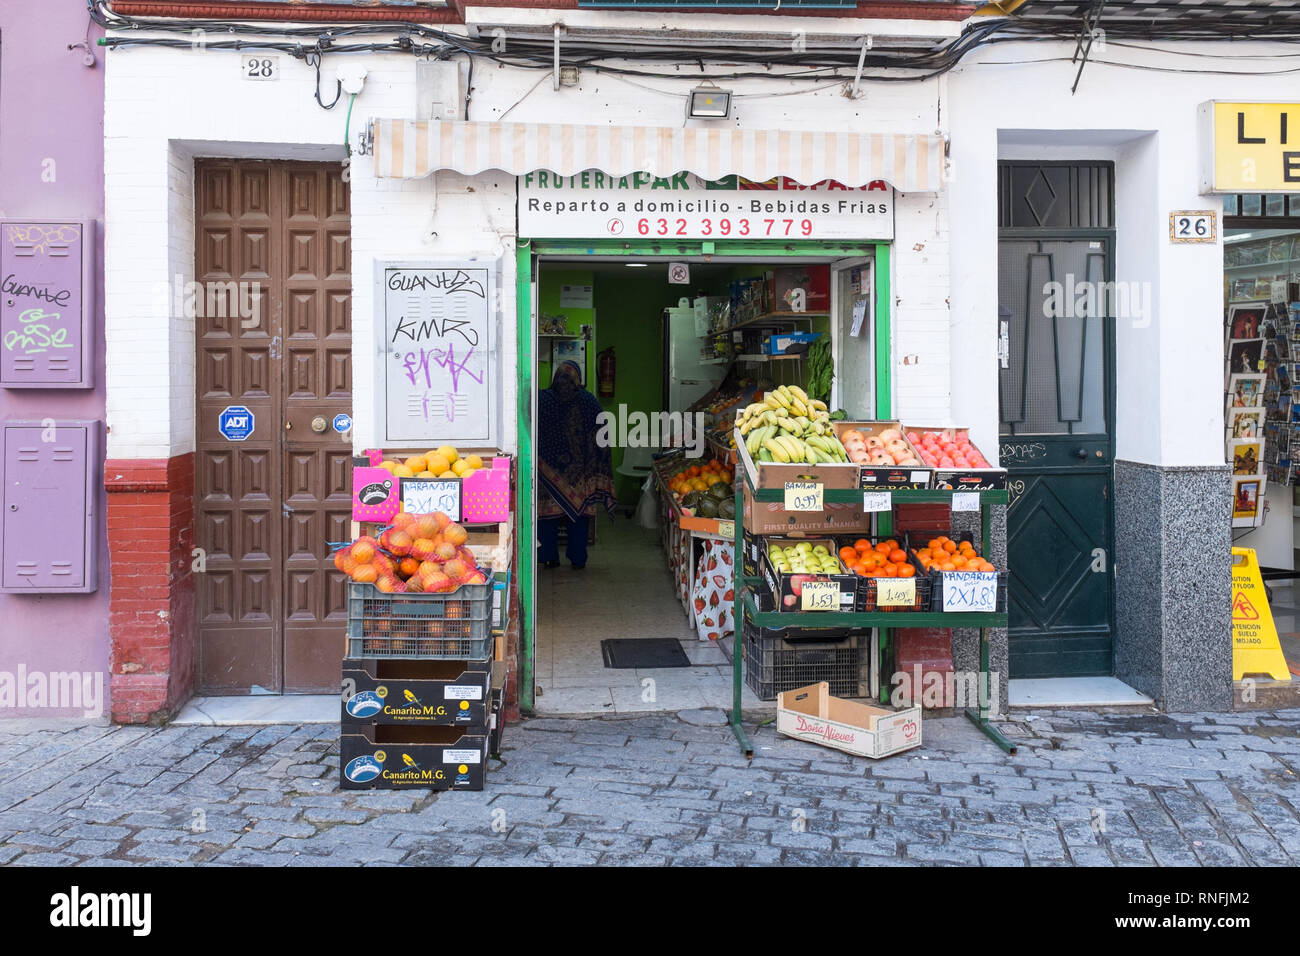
864, 599
455, 625
774, 665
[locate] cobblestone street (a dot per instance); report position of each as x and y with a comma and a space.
1084, 789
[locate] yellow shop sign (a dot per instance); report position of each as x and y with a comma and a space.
1250, 147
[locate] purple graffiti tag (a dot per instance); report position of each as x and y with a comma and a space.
417, 362
448, 361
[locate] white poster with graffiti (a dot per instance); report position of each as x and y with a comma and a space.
437, 363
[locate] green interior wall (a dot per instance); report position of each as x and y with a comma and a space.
631, 321
548, 301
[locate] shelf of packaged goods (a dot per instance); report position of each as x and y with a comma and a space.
767, 358
767, 317
891, 619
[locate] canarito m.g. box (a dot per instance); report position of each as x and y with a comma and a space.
811, 713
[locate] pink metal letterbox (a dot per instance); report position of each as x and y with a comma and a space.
485, 495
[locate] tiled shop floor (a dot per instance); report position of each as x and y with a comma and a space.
625, 591
1084, 789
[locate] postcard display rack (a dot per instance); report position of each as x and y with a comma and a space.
749, 586
1261, 418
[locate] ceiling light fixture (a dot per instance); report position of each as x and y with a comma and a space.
635, 265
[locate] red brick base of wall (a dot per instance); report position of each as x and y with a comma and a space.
151, 603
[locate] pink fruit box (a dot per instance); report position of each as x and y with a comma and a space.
484, 495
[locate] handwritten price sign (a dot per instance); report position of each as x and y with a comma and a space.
877, 501
804, 496
820, 596
900, 592
424, 495
970, 591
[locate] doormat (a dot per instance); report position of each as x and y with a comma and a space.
648, 652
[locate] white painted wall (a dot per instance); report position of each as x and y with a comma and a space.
1169, 375
164, 107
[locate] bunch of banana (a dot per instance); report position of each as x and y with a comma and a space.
788, 426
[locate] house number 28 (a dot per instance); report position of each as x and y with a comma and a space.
260, 67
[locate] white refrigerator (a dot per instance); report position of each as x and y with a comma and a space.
686, 378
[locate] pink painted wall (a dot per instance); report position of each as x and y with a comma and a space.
52, 111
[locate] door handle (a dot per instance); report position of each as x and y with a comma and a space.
1081, 454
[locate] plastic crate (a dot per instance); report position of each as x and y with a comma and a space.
916, 540
453, 625
774, 665
864, 599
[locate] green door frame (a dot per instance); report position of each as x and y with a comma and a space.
526, 250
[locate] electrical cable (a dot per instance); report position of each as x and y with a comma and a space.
601, 56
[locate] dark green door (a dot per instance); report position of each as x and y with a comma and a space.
1056, 443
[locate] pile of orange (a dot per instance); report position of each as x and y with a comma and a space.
883, 560
945, 554
700, 477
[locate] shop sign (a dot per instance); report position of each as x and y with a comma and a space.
1250, 147
595, 205
436, 358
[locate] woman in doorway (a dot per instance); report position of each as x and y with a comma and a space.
574, 471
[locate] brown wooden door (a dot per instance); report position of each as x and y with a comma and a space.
271, 606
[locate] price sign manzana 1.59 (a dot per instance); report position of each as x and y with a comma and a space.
595, 205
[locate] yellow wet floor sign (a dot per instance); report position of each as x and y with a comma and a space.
1255, 647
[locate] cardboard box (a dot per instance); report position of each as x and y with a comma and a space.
790, 287
811, 713
886, 477
771, 474
497, 718
770, 517
779, 343
785, 590
375, 493
415, 691
963, 479
412, 757
749, 555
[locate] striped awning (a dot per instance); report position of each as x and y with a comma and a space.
410, 149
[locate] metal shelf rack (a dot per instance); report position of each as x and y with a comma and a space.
885, 621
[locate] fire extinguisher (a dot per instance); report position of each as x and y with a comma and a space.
605, 373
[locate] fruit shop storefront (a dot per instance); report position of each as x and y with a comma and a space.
681, 301
420, 298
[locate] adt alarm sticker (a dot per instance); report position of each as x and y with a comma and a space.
342, 422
